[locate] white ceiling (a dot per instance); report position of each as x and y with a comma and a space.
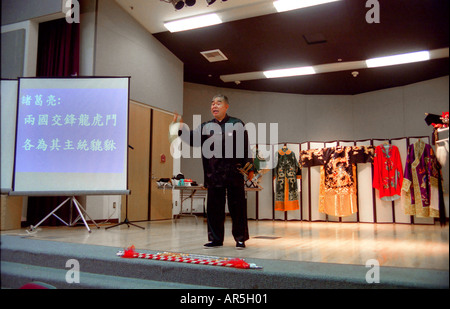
153, 13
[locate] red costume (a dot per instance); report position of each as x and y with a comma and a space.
388, 172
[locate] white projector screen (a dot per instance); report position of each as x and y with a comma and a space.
71, 136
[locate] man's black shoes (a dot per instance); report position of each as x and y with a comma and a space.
213, 244
240, 245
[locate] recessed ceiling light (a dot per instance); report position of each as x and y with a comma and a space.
289, 72
193, 22
398, 59
288, 5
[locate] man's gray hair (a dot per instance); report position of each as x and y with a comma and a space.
221, 97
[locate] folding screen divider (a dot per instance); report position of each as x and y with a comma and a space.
371, 209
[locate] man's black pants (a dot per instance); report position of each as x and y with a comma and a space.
237, 205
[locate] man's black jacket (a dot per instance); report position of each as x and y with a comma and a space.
225, 148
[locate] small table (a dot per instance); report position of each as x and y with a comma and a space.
195, 192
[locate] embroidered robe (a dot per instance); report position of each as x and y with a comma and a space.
421, 181
388, 172
286, 188
337, 192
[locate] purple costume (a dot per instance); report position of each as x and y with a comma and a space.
421, 181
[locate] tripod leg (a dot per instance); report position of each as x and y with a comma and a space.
52, 213
126, 221
129, 223
84, 210
82, 217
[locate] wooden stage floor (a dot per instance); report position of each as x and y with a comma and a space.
397, 245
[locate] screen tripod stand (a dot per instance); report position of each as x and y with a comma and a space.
80, 209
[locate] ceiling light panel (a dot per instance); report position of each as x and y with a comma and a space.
193, 22
342, 66
288, 5
290, 72
398, 59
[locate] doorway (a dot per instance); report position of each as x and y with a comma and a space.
149, 160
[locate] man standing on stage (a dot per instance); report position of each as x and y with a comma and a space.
225, 148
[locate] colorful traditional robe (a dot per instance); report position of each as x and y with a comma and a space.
286, 188
337, 195
421, 181
388, 172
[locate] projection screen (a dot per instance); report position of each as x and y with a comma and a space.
71, 136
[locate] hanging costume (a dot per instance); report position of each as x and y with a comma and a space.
421, 182
337, 195
388, 172
286, 188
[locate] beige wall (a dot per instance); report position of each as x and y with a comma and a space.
125, 48
390, 113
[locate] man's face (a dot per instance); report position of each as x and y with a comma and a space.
219, 108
